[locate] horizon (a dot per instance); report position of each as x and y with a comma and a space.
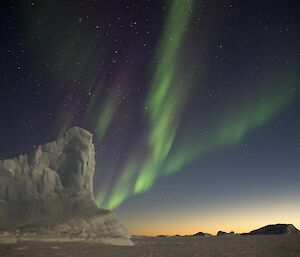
243, 225
213, 231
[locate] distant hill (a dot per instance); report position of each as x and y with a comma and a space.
222, 233
275, 229
199, 234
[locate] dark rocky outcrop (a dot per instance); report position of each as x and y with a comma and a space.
48, 194
222, 233
276, 229
199, 234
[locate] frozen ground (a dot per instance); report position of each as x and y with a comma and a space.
235, 246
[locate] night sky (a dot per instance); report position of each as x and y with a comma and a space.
194, 105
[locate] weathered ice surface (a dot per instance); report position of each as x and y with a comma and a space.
276, 229
48, 194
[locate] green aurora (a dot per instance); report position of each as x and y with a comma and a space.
233, 128
108, 110
163, 108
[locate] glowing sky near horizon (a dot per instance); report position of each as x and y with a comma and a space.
194, 105
247, 217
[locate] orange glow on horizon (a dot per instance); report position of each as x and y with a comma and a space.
240, 219
171, 231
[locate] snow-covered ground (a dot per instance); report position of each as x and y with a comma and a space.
233, 246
